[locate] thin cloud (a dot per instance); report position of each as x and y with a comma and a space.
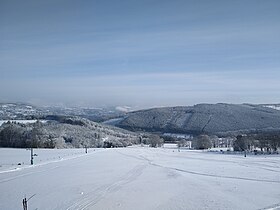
148, 89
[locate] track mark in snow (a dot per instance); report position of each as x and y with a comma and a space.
203, 174
264, 166
92, 198
26, 174
272, 207
219, 176
40, 164
49, 162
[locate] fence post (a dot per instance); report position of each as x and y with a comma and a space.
24, 203
31, 156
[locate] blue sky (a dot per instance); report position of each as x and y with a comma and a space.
140, 53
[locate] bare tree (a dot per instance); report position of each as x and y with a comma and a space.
202, 142
155, 141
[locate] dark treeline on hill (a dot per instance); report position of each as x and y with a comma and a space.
261, 141
73, 132
69, 132
203, 118
268, 141
245, 126
78, 133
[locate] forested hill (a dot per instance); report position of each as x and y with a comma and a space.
64, 132
203, 118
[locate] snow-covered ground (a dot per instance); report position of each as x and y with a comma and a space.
19, 159
140, 178
113, 121
277, 107
21, 121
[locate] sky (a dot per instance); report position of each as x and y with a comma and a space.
139, 53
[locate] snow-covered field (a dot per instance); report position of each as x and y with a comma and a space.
19, 159
138, 178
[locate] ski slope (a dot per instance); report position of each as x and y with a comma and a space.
140, 178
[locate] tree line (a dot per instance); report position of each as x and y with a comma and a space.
266, 141
62, 135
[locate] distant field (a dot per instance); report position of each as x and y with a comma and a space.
138, 178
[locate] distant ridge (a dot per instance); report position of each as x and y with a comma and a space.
204, 118
200, 118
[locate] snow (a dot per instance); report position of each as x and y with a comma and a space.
176, 135
171, 146
113, 121
140, 178
273, 107
124, 108
220, 149
21, 121
19, 159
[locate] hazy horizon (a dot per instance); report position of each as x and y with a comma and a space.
139, 53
